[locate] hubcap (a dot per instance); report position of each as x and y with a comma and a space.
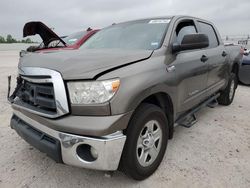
149, 143
231, 93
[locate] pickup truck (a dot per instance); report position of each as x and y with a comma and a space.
113, 104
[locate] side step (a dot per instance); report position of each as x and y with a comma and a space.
189, 118
213, 104
189, 121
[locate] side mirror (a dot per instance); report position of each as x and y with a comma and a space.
191, 42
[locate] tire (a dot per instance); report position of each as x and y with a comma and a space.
227, 95
140, 140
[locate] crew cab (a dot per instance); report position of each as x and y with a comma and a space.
115, 101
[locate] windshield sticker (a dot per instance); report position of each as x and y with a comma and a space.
159, 21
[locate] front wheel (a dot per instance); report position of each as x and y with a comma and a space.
227, 95
147, 137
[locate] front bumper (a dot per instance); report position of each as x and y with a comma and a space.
63, 147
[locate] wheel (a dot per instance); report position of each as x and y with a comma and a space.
147, 137
227, 95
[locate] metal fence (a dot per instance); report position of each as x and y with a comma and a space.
243, 40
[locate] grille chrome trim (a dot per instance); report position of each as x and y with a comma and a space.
55, 78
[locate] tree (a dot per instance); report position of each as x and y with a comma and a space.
2, 39
9, 39
28, 40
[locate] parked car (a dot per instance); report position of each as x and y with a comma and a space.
244, 70
115, 101
51, 41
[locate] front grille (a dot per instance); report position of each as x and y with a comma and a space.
38, 95
40, 91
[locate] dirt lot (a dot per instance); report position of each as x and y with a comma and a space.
215, 152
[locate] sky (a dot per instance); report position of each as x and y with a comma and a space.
230, 17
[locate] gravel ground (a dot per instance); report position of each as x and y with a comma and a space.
215, 152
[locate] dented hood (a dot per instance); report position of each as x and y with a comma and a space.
83, 64
47, 35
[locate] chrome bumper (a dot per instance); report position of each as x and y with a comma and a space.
108, 149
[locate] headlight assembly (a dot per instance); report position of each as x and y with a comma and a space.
92, 92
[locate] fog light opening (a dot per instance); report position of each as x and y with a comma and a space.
87, 152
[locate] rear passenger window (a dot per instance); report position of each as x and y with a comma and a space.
209, 31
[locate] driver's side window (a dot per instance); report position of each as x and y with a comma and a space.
182, 29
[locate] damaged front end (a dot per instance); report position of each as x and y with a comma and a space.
11, 97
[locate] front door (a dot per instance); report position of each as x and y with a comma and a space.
191, 70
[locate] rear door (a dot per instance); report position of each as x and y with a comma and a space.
217, 58
191, 72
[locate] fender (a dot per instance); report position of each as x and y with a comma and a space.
161, 88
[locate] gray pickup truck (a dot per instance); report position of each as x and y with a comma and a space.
113, 104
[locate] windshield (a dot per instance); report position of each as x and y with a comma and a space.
74, 38
143, 34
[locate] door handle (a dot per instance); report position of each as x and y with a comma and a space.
224, 54
204, 58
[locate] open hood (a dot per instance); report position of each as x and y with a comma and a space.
47, 35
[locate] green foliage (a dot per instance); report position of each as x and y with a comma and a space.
2, 39
9, 39
28, 40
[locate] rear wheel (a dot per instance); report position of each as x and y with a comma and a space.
147, 137
227, 95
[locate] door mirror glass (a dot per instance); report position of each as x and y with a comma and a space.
191, 42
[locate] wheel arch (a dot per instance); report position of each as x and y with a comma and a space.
235, 69
165, 102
